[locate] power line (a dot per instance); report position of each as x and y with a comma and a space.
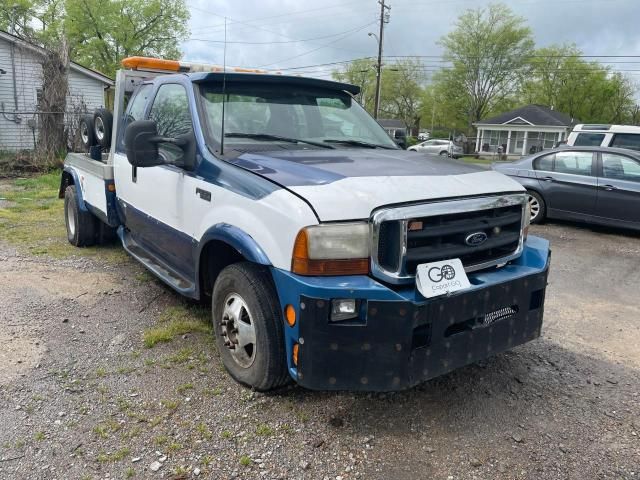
279, 42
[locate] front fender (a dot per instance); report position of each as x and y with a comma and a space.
236, 238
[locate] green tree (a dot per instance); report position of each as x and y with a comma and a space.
587, 91
360, 72
102, 33
402, 92
489, 50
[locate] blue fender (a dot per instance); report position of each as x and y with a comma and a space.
70, 171
236, 238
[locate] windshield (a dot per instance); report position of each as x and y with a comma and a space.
292, 118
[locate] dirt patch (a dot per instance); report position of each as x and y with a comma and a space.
18, 355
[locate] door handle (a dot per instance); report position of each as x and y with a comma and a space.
609, 188
547, 179
203, 194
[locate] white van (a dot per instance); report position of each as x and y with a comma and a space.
620, 136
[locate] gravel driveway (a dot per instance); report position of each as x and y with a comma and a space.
89, 387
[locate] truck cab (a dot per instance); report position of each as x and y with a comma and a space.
329, 256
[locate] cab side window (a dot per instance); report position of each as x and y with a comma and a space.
135, 109
170, 111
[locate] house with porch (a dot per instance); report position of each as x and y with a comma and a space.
522, 131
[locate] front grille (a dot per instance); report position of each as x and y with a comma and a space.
443, 237
408, 236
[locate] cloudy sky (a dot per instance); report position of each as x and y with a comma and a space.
302, 35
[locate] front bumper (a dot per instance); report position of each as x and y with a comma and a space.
402, 339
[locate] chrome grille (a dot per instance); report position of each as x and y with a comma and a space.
405, 237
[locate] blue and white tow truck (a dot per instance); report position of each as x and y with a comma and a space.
330, 256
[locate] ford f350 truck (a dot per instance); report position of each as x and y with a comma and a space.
329, 256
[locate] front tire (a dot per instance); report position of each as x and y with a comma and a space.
444, 153
537, 207
248, 324
81, 224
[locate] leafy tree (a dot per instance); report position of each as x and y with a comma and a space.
402, 92
489, 50
586, 91
102, 33
401, 89
360, 72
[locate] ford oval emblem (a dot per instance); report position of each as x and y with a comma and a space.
475, 239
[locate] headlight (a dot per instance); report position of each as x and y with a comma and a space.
332, 249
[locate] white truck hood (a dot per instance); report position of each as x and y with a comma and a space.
349, 184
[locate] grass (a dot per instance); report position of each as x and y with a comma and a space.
470, 159
170, 404
115, 456
264, 430
182, 389
204, 431
39, 436
245, 461
32, 219
175, 321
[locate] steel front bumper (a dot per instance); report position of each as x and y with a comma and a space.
401, 339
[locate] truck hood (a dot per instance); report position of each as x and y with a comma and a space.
348, 184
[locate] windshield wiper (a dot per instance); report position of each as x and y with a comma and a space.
358, 143
267, 137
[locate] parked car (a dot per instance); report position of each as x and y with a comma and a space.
589, 184
423, 136
618, 136
438, 147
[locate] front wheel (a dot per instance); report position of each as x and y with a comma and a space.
248, 324
537, 207
444, 153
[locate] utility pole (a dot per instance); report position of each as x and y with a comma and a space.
383, 13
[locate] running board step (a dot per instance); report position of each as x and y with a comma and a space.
159, 269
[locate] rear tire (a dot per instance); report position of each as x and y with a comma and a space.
81, 224
248, 324
102, 122
86, 132
537, 207
444, 153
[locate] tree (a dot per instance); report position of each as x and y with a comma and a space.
402, 92
102, 33
360, 72
489, 51
586, 91
401, 88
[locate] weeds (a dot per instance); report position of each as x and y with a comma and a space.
175, 321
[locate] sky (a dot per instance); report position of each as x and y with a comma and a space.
301, 36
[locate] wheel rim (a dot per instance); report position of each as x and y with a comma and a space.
84, 132
534, 207
99, 128
71, 221
238, 331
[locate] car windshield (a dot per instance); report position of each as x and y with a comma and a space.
293, 118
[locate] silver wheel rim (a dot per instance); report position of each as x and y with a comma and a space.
99, 128
84, 132
238, 331
71, 220
534, 207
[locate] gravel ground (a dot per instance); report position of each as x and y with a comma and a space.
81, 396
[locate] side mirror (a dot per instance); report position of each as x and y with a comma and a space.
141, 144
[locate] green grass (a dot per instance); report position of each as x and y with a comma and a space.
32, 219
176, 321
245, 461
115, 456
470, 159
264, 430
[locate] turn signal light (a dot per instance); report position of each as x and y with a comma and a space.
290, 315
302, 264
296, 347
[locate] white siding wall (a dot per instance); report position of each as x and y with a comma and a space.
84, 91
15, 136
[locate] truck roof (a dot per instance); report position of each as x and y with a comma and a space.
235, 77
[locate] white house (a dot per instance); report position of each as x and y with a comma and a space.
522, 131
21, 84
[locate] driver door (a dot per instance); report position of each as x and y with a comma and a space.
152, 198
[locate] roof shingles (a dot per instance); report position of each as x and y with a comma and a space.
535, 114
